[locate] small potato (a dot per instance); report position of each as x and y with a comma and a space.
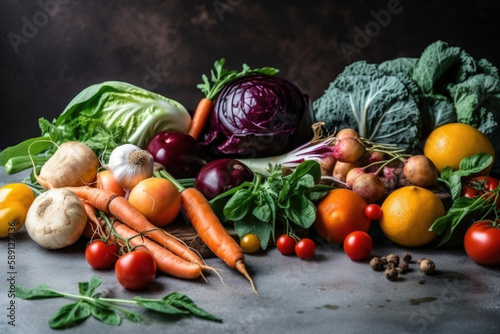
420, 171
342, 168
56, 219
353, 174
370, 187
327, 164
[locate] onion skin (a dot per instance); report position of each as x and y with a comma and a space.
220, 175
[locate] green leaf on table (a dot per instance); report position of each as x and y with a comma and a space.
88, 288
70, 314
184, 302
39, 292
160, 305
105, 314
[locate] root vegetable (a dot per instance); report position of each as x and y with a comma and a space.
347, 132
74, 164
420, 171
370, 187
342, 168
353, 174
327, 164
56, 219
349, 149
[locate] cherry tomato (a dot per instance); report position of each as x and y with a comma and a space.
373, 212
286, 244
482, 243
135, 270
480, 185
305, 248
101, 255
250, 243
358, 245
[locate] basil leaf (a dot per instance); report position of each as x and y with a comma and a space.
106, 315
305, 183
132, 316
160, 305
184, 302
239, 205
310, 167
455, 184
446, 172
88, 288
302, 211
69, 315
39, 292
474, 164
460, 216
262, 212
318, 192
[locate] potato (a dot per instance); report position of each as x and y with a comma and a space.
56, 219
370, 187
420, 171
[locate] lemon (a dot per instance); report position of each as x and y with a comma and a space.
448, 144
407, 215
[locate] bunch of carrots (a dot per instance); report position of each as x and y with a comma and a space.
171, 255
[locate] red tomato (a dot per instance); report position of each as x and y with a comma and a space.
482, 243
286, 244
358, 245
135, 270
101, 255
373, 212
305, 248
480, 185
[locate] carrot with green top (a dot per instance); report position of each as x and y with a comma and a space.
220, 77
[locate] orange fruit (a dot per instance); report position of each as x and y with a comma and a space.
407, 215
339, 213
448, 144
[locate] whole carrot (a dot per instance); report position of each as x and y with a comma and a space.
199, 212
200, 118
166, 261
210, 229
125, 212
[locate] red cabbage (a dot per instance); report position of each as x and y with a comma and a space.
254, 117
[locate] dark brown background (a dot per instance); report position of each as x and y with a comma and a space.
84, 42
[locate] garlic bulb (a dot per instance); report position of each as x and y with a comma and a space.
130, 165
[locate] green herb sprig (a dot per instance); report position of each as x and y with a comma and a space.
464, 211
255, 207
89, 303
221, 76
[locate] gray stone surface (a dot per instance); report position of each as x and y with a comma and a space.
330, 294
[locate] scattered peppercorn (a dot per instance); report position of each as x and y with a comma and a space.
402, 267
393, 258
376, 264
391, 274
427, 266
407, 257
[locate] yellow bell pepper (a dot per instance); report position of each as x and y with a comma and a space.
15, 200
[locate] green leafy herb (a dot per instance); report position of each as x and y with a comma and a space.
88, 303
255, 207
468, 166
221, 76
460, 216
